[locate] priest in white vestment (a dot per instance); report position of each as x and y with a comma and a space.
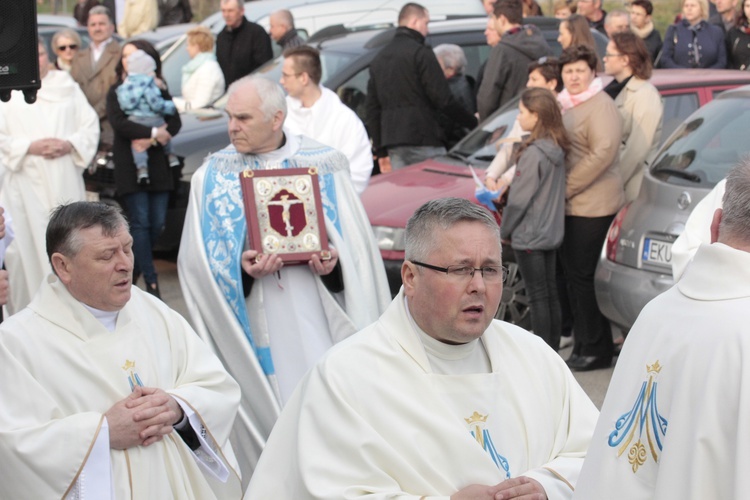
270, 323
436, 399
44, 148
107, 393
318, 113
674, 423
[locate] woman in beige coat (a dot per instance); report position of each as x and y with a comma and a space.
639, 104
593, 193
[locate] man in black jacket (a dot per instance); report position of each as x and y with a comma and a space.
507, 66
242, 46
406, 91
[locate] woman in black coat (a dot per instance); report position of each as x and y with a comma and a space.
146, 204
738, 40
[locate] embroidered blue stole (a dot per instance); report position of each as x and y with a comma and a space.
224, 227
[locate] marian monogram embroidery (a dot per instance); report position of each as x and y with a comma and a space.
133, 378
643, 418
484, 439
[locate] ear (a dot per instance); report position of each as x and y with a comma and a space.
277, 120
715, 225
409, 277
305, 78
62, 266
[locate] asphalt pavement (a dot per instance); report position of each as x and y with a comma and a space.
595, 383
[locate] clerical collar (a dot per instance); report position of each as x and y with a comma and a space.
275, 159
106, 318
439, 349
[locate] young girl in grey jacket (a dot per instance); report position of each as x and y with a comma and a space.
534, 217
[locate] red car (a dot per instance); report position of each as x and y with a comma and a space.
392, 198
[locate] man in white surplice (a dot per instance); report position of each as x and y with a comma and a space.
674, 422
268, 323
107, 393
436, 399
44, 148
318, 113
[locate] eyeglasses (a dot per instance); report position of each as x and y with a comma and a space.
289, 75
490, 274
72, 46
607, 54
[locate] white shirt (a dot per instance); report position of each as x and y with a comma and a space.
332, 123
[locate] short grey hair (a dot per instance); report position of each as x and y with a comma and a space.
285, 17
272, 98
239, 3
67, 221
101, 10
68, 33
442, 213
452, 56
735, 219
615, 14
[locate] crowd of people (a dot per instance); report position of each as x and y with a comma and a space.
303, 377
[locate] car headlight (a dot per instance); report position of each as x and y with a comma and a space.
389, 238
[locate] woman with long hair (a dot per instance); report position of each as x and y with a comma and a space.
639, 103
576, 30
594, 194
534, 217
146, 204
738, 40
692, 42
543, 73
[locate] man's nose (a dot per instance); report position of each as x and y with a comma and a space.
477, 284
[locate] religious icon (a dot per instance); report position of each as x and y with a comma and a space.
284, 213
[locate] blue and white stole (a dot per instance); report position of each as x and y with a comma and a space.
225, 230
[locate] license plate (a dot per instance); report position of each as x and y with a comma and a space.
657, 251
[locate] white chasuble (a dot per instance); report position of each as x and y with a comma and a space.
372, 418
674, 423
62, 370
32, 185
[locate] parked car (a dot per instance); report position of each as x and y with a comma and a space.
54, 20
164, 37
311, 16
391, 199
635, 264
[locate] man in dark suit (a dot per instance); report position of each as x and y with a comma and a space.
242, 46
94, 67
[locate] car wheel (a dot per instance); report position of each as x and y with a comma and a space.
514, 305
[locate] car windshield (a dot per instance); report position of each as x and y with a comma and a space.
707, 145
330, 61
480, 146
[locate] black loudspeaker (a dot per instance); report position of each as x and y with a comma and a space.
19, 52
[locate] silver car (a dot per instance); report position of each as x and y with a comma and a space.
635, 264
